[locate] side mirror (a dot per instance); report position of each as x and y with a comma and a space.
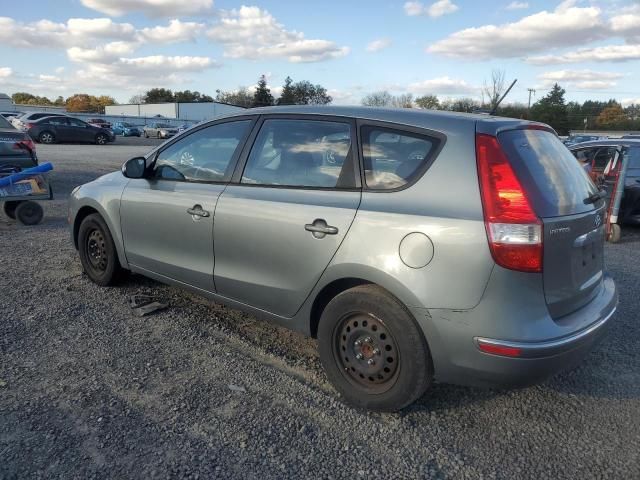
135, 168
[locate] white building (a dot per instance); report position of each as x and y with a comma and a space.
193, 112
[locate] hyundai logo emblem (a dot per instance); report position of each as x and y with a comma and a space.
598, 220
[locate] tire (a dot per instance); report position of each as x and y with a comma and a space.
97, 251
366, 324
616, 233
9, 208
146, 135
101, 139
29, 213
46, 137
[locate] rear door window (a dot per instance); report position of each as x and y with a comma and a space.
393, 158
301, 153
633, 168
555, 182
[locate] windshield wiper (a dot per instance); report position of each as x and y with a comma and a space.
594, 197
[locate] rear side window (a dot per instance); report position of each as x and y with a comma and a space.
301, 153
633, 169
393, 158
555, 182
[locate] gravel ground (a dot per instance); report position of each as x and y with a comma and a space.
87, 390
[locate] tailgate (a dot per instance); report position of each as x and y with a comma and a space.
573, 232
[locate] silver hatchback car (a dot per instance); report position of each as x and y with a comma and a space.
415, 245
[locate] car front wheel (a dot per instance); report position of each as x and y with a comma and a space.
97, 251
373, 351
101, 139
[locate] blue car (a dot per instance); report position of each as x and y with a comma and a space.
126, 129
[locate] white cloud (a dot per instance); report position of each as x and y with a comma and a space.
6, 72
625, 102
537, 32
436, 9
608, 53
518, 5
47, 34
441, 85
101, 54
377, 45
585, 79
151, 8
176, 31
254, 33
627, 26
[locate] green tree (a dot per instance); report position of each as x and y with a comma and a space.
552, 110
429, 102
287, 97
241, 97
189, 96
158, 95
262, 96
463, 104
306, 93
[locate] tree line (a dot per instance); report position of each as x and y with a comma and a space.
551, 109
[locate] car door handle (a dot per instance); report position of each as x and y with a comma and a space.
197, 211
320, 228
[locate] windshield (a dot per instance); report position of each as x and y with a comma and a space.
556, 183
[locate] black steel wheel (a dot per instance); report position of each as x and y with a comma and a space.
97, 251
372, 349
29, 213
366, 351
9, 208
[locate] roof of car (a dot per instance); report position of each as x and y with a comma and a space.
626, 142
396, 115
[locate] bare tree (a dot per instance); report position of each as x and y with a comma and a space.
385, 99
138, 98
495, 89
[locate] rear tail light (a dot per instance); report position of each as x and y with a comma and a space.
513, 229
26, 142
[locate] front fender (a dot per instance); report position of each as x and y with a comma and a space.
102, 196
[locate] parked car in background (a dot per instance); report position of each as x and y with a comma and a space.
17, 150
126, 129
573, 139
415, 245
184, 126
21, 122
598, 154
67, 129
99, 122
10, 115
159, 130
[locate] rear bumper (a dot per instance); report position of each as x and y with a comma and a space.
458, 358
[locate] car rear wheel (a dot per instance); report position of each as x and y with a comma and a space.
101, 139
46, 137
98, 252
373, 351
29, 213
146, 135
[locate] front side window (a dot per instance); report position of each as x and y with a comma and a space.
393, 158
204, 156
301, 153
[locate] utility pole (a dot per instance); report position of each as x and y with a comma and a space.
531, 90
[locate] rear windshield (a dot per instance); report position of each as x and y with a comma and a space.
4, 123
556, 183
